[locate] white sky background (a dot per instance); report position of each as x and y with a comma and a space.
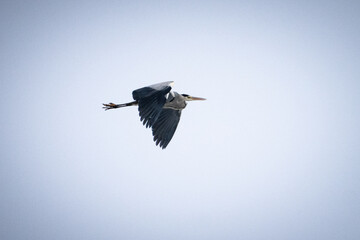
272, 154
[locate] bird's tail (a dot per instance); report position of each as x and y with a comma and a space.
113, 105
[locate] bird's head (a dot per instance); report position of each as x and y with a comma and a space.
190, 98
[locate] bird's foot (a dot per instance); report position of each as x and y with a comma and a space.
110, 106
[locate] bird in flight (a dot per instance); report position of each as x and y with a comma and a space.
159, 108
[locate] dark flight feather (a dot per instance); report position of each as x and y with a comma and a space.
165, 126
150, 103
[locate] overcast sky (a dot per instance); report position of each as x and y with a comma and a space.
274, 152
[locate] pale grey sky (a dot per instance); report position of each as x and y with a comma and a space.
272, 154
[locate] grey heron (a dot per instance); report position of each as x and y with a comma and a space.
159, 108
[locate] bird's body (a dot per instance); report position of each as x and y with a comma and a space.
175, 101
159, 108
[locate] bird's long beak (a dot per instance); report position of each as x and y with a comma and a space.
190, 98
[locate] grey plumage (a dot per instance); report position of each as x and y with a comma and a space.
159, 108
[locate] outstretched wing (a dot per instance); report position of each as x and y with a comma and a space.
151, 100
165, 126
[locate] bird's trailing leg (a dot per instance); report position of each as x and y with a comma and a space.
113, 105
